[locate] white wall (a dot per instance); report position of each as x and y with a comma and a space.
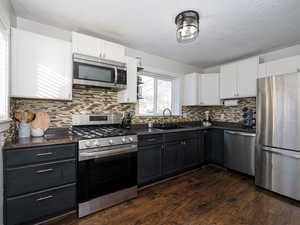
149, 60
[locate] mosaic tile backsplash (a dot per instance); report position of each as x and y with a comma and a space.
89, 100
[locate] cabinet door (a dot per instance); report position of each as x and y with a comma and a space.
112, 51
191, 153
191, 94
209, 89
283, 66
86, 45
215, 146
149, 163
41, 67
172, 160
129, 95
228, 83
247, 75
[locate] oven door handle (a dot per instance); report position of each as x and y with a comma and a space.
107, 153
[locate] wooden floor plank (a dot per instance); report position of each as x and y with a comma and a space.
208, 196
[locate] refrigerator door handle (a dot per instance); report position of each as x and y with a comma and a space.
287, 153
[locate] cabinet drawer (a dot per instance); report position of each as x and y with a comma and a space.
39, 154
40, 205
176, 136
150, 139
33, 178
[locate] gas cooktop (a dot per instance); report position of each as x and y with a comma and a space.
89, 132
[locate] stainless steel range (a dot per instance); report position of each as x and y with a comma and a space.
107, 162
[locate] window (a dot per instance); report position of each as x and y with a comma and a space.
157, 95
4, 65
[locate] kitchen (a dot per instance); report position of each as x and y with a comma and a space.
104, 121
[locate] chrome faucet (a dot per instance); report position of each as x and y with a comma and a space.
167, 109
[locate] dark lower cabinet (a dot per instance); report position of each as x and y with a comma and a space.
191, 156
149, 163
172, 157
214, 142
41, 186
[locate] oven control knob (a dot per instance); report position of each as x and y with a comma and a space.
123, 140
130, 139
110, 141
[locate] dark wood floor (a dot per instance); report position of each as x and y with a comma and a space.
209, 196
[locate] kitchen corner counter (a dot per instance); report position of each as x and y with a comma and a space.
37, 141
54, 137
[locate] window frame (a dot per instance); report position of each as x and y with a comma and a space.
4, 115
156, 77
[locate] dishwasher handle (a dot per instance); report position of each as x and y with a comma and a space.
240, 133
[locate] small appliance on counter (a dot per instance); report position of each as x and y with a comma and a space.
249, 118
207, 119
126, 120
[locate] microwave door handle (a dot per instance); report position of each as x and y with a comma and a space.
116, 75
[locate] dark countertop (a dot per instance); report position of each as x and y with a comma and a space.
61, 136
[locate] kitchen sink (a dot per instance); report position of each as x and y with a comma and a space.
171, 127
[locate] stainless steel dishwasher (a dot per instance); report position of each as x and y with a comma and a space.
240, 151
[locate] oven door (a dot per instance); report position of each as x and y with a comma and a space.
95, 74
106, 173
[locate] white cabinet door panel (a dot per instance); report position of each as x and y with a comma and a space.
129, 95
247, 75
283, 66
41, 67
112, 51
86, 45
191, 93
228, 77
209, 89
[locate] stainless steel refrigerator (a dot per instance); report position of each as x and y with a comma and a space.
278, 134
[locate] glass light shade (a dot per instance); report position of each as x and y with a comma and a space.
187, 26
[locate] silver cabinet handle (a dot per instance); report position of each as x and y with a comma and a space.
44, 154
281, 152
240, 133
44, 198
44, 171
116, 75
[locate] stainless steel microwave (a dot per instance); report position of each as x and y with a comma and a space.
99, 72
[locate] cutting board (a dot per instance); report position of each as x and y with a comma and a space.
41, 120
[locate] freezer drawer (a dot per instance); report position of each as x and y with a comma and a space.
239, 151
278, 170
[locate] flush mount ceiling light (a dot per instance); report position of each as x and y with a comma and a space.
187, 26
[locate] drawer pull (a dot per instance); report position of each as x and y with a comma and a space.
45, 153
44, 171
44, 198
151, 139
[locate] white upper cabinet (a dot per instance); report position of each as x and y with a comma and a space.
96, 47
228, 78
279, 67
201, 89
191, 93
238, 79
85, 44
209, 89
129, 95
247, 73
41, 67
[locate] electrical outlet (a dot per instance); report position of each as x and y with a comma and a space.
184, 115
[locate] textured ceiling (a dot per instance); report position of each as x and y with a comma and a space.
229, 29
